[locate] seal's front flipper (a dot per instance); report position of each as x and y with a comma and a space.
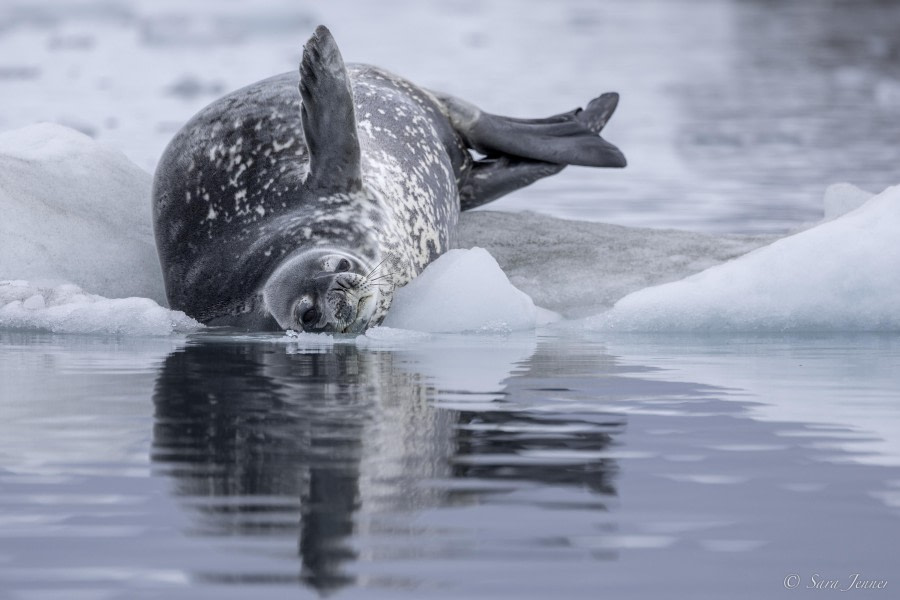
567, 139
329, 120
490, 179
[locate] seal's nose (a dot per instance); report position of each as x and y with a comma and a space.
323, 282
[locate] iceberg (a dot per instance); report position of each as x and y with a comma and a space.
841, 275
76, 211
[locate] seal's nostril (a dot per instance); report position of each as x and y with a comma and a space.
344, 265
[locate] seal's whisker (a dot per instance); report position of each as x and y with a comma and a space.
375, 268
385, 275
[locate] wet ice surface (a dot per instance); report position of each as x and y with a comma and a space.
550, 463
448, 466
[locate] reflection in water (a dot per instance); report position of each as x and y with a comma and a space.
250, 421
416, 472
263, 443
515, 446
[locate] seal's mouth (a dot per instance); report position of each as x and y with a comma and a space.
359, 322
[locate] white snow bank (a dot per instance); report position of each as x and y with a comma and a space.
66, 308
463, 290
843, 275
74, 210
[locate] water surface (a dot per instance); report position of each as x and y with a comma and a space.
526, 465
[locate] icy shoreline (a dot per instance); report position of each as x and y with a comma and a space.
77, 255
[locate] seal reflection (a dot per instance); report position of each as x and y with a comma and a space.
264, 444
280, 433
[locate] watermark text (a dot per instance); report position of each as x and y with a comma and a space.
815, 581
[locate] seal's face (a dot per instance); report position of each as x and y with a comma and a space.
323, 290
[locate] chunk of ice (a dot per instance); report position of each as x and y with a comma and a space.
66, 308
841, 275
463, 290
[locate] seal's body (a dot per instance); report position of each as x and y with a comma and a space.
274, 209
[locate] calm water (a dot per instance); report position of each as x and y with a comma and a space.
535, 465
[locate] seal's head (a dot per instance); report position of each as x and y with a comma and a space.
324, 290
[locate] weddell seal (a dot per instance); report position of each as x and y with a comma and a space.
282, 210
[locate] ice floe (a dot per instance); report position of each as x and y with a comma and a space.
66, 308
841, 275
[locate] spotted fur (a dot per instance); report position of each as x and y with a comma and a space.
230, 202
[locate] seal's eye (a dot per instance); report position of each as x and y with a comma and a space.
343, 265
310, 316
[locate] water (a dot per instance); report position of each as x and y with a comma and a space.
735, 114
530, 465
559, 463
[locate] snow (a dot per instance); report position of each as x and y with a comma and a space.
838, 276
77, 211
66, 308
463, 290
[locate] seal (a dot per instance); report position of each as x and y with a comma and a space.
275, 209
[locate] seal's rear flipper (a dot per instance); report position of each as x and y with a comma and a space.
566, 139
329, 120
490, 179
